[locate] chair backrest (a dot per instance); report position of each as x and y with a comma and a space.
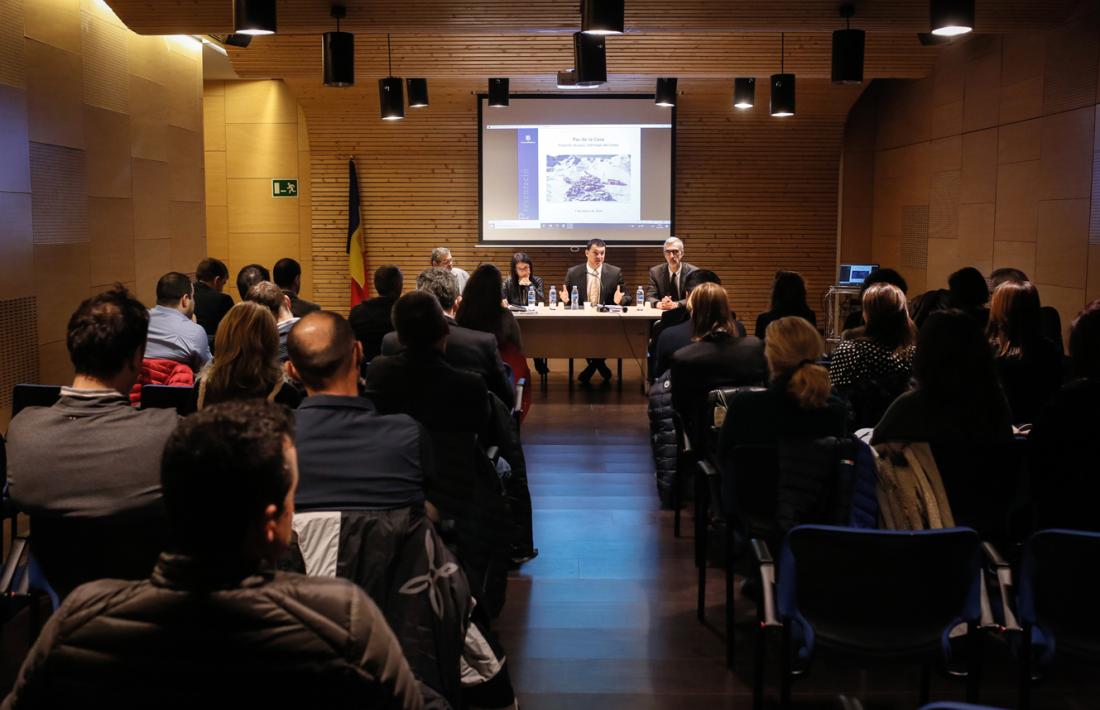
26, 395
878, 591
982, 482
717, 405
750, 489
182, 399
957, 706
1059, 574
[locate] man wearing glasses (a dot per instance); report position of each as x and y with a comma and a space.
442, 259
666, 281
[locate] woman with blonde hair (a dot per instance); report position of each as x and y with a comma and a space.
718, 357
247, 361
798, 400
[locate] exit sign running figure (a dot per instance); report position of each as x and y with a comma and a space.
284, 188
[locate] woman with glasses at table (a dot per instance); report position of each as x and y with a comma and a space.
515, 288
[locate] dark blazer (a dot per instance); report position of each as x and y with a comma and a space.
300, 306
716, 361
469, 350
371, 321
516, 295
425, 386
210, 307
660, 286
610, 277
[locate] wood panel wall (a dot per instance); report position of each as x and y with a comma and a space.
1000, 146
100, 171
753, 194
256, 132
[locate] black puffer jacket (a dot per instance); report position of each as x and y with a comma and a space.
662, 436
184, 640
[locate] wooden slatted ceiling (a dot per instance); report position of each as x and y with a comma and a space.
754, 194
562, 16
701, 56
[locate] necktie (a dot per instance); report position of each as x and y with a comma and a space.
675, 279
593, 287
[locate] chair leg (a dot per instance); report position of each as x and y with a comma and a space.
760, 657
973, 663
702, 537
785, 664
731, 654
925, 683
676, 498
1025, 669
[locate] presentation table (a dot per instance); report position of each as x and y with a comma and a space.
587, 333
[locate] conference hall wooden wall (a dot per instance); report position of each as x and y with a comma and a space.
991, 161
753, 193
100, 172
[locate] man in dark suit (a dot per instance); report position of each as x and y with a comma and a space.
466, 349
288, 276
371, 319
211, 304
600, 283
668, 282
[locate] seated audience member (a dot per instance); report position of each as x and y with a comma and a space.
442, 259
419, 380
676, 332
889, 276
466, 349
1029, 365
788, 299
91, 456
172, 334
667, 287
797, 402
214, 620
480, 308
717, 358
1064, 443
925, 304
247, 366
275, 300
1050, 321
249, 276
969, 293
515, 288
211, 303
288, 276
371, 319
872, 369
957, 397
367, 471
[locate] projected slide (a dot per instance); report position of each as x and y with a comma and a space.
566, 182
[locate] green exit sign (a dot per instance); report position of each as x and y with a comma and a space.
284, 188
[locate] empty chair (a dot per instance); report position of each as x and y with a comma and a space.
25, 395
181, 399
871, 594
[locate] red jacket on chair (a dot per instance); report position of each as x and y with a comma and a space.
157, 371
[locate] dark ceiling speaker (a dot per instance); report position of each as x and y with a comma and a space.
498, 92
391, 98
949, 18
666, 92
254, 17
589, 59
418, 92
338, 58
603, 17
744, 92
782, 100
848, 56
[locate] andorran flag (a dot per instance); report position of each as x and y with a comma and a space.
357, 268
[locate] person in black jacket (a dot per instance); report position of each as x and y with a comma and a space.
520, 278
969, 293
211, 304
214, 620
599, 283
717, 358
371, 319
788, 299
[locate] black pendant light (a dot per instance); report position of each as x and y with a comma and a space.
602, 17
498, 92
589, 59
254, 17
666, 92
338, 53
418, 92
949, 18
782, 103
391, 94
848, 50
744, 92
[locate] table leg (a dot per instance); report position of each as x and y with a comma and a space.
570, 373
619, 371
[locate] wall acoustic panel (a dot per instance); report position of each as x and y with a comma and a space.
914, 236
11, 43
58, 195
1070, 75
106, 73
18, 346
943, 207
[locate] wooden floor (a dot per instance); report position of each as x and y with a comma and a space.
605, 616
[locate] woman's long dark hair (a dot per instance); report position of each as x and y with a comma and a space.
480, 308
789, 294
953, 364
520, 257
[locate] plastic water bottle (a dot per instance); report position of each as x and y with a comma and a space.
553, 298
531, 297
639, 298
574, 299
